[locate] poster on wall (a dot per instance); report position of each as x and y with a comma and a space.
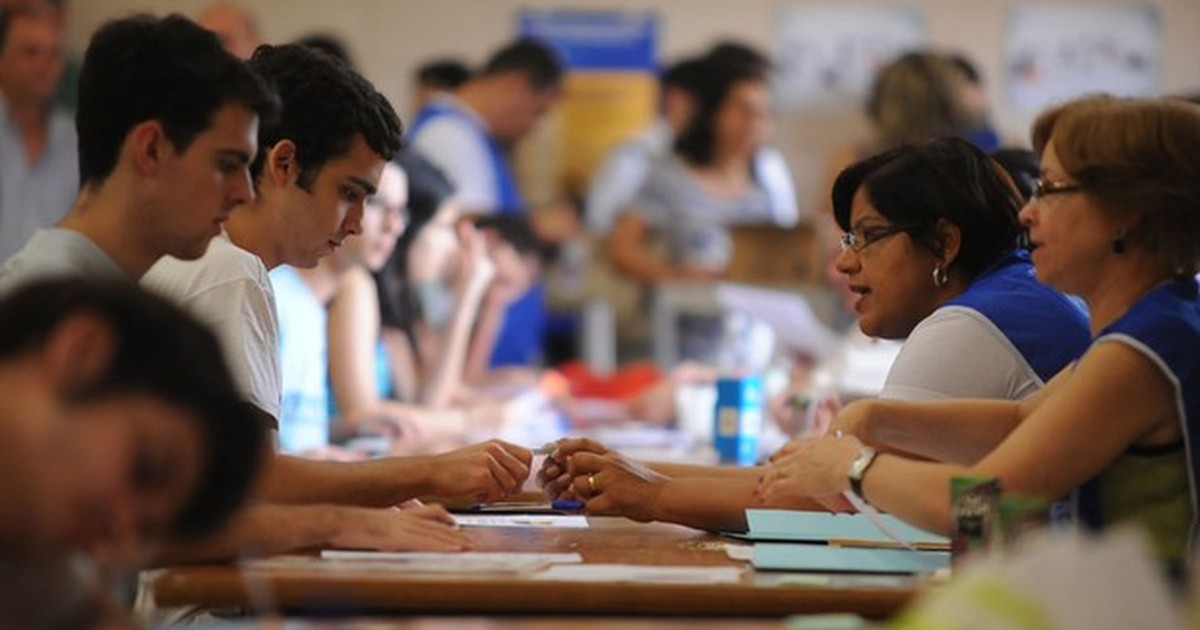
828, 56
610, 92
1055, 53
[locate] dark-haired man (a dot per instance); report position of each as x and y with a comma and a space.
321, 159
167, 123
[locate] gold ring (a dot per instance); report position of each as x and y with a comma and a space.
592, 483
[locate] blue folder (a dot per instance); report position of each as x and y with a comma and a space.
807, 557
844, 529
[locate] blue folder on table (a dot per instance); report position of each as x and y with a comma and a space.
807, 557
839, 529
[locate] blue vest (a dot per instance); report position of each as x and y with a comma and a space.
508, 196
1165, 325
519, 341
1046, 327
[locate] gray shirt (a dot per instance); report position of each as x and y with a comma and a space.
35, 195
693, 221
57, 252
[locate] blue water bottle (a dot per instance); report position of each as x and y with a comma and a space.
738, 419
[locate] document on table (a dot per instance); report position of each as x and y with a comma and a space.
567, 521
805, 557
641, 574
464, 563
847, 530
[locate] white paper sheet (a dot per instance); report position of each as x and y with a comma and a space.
640, 574
568, 521
465, 557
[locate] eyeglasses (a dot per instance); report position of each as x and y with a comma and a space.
859, 238
1045, 188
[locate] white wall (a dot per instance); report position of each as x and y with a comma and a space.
390, 37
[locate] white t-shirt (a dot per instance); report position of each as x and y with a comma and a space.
455, 147
229, 290
958, 353
57, 252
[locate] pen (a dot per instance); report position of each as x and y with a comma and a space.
562, 505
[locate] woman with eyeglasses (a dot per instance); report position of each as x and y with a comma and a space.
1116, 221
930, 249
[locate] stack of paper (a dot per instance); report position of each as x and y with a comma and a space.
847, 530
841, 542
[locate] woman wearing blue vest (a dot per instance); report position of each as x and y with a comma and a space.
1116, 220
930, 250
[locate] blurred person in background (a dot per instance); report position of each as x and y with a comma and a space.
39, 170
235, 25
437, 76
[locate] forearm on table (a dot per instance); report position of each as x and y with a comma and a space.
257, 530
375, 483
713, 503
672, 469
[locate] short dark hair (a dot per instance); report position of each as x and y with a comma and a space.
1022, 165
329, 44
150, 337
697, 141
513, 229
950, 179
736, 53
530, 57
685, 75
325, 104
170, 70
446, 74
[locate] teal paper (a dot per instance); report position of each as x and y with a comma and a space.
803, 557
789, 525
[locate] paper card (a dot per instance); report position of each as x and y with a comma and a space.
574, 521
805, 557
417, 562
844, 529
641, 574
467, 560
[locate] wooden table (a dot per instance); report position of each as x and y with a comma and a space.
608, 540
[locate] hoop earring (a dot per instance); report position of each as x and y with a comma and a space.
940, 277
1118, 244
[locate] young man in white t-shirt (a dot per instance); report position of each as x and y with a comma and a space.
320, 161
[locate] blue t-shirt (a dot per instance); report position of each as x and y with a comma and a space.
303, 363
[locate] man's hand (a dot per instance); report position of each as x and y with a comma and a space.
425, 528
488, 471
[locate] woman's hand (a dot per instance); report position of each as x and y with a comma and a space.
816, 469
613, 484
554, 477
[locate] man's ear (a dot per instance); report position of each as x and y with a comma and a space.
147, 144
78, 352
280, 166
950, 236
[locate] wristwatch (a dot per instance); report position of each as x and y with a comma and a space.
858, 468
